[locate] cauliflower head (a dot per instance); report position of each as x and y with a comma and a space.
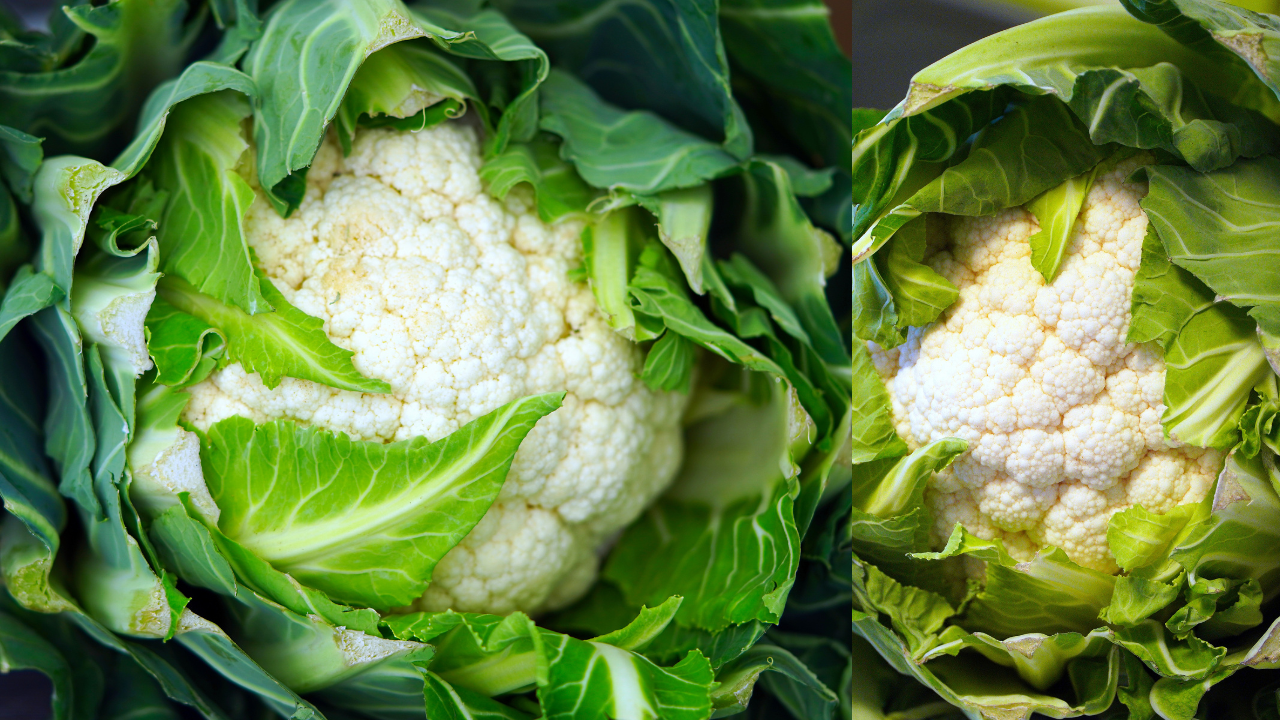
463, 303
1062, 415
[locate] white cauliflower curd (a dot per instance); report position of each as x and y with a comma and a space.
1061, 415
462, 304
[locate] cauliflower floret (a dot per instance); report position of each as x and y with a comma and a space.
1061, 415
462, 304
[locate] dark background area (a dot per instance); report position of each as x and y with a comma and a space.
888, 41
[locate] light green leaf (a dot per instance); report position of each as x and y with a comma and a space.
446, 702
1138, 537
557, 188
649, 623
285, 342
185, 348
610, 250
1165, 296
1056, 210
669, 363
403, 81
20, 157
365, 522
1211, 367
1221, 226
635, 151
888, 488
202, 234
684, 219
919, 293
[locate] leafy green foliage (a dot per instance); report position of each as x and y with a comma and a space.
367, 522
283, 343
557, 188
634, 151
666, 57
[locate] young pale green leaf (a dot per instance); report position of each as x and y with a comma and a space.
635, 151
589, 680
364, 522
1212, 366
199, 78
202, 234
283, 343
649, 623
684, 219
557, 188
185, 348
1056, 210
656, 295
1138, 537
402, 81
872, 435
1188, 659
491, 656
666, 57
888, 488
489, 37
610, 250
1238, 540
1221, 226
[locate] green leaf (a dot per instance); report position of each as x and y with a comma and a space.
202, 235
1219, 226
324, 44
919, 293
1138, 537
405, 80
1189, 659
724, 537
635, 151
787, 51
20, 157
184, 347
365, 522
664, 57
649, 623
1165, 296
887, 488
23, 649
779, 238
1211, 367
285, 342
684, 221
1056, 210
610, 250
872, 433
1236, 541
82, 106
557, 188
510, 65
68, 428
669, 364
446, 702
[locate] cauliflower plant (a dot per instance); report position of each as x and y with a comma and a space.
1062, 415
462, 304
